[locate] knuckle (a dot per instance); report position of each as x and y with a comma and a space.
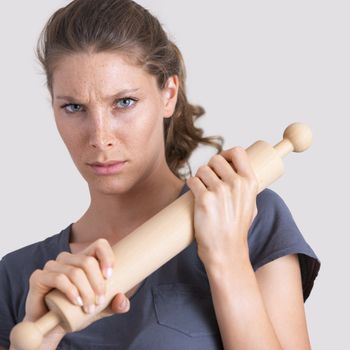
199, 170
105, 247
202, 169
236, 150
88, 262
204, 201
49, 264
102, 242
215, 158
60, 279
239, 149
75, 273
237, 182
62, 255
222, 187
34, 276
232, 153
231, 184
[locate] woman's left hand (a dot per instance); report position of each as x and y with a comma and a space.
224, 206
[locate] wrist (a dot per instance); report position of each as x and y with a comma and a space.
221, 265
222, 257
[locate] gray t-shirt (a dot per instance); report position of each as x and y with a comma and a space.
173, 308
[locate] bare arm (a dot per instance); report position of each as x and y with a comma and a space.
262, 310
281, 288
255, 311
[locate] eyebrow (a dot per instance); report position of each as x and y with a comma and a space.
121, 93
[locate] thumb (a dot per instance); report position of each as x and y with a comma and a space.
120, 303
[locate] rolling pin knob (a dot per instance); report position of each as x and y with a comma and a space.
26, 335
296, 138
300, 135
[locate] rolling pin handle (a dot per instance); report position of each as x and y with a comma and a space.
296, 138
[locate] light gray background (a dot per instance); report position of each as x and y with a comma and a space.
255, 66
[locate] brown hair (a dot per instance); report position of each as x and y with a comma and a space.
130, 29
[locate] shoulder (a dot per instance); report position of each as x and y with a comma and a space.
272, 210
269, 201
16, 268
33, 256
274, 232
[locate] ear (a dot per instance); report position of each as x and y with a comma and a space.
170, 92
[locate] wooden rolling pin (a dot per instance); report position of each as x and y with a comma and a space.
153, 244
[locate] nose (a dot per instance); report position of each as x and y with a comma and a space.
101, 135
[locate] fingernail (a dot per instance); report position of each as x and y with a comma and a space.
90, 309
100, 299
123, 304
108, 272
79, 301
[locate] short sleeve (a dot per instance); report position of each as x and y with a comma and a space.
274, 234
7, 318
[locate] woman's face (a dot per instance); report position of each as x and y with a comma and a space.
108, 110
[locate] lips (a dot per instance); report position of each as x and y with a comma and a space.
108, 168
108, 163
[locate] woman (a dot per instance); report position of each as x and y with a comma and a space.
117, 85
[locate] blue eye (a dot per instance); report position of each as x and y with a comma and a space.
123, 103
126, 102
74, 107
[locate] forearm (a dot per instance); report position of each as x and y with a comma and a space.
239, 307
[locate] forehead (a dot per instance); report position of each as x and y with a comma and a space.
102, 73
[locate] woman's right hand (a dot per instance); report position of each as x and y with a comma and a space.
82, 277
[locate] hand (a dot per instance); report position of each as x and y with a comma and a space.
224, 206
81, 277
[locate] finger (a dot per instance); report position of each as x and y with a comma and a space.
103, 251
208, 177
240, 161
196, 186
79, 277
42, 282
222, 168
91, 268
120, 303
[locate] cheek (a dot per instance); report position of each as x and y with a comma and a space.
150, 132
138, 141
70, 137
146, 121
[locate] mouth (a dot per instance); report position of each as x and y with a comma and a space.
107, 168
108, 163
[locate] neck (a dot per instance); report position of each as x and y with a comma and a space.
114, 216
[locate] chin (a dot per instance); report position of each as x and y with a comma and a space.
109, 185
